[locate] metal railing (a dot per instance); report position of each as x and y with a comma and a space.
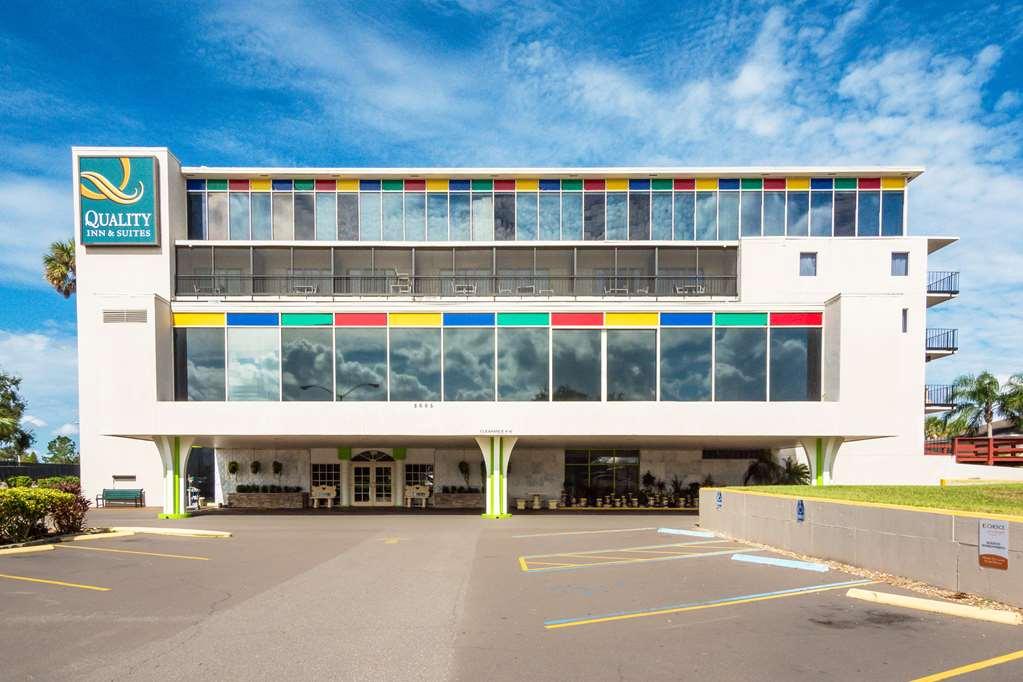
979, 450
457, 285
942, 282
938, 395
942, 339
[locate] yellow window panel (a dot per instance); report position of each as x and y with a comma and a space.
617, 184
437, 185
347, 185
259, 185
414, 319
631, 319
797, 183
706, 183
199, 319
893, 183
527, 185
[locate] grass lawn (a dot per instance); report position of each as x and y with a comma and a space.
999, 499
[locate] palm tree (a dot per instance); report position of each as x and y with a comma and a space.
762, 471
1010, 402
59, 267
794, 473
976, 398
945, 426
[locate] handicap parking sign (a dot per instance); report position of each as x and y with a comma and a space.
800, 511
719, 499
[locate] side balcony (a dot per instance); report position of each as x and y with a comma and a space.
941, 342
942, 285
937, 398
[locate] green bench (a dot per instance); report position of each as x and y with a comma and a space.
134, 495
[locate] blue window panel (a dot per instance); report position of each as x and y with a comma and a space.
686, 319
728, 183
468, 319
639, 184
821, 183
550, 185
196, 185
282, 185
369, 185
252, 320
458, 185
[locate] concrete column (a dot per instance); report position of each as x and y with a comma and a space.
345, 483
496, 454
820, 457
174, 457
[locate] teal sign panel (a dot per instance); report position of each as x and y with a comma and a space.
117, 200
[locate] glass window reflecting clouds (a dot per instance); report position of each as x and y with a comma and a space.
482, 217
617, 215
751, 207
685, 364
639, 215
392, 222
740, 371
820, 214
576, 364
360, 358
795, 363
572, 215
891, 214
706, 215
469, 364
239, 215
631, 364
522, 361
253, 364
728, 215
415, 217
594, 215
525, 216
660, 216
261, 216
217, 215
798, 222
415, 364
436, 217
305, 228
198, 364
550, 217
869, 214
369, 216
459, 217
348, 217
308, 368
774, 214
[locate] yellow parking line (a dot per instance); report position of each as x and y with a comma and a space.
132, 551
548, 563
979, 665
54, 582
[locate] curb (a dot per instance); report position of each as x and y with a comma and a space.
177, 532
28, 549
934, 606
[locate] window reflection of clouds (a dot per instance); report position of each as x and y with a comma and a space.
253, 365
468, 364
307, 362
685, 364
576, 364
740, 371
199, 363
795, 364
361, 359
631, 364
522, 358
415, 364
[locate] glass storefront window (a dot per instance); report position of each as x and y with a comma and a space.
685, 364
360, 359
590, 474
577, 371
253, 364
631, 364
469, 364
308, 371
522, 364
415, 364
740, 370
795, 363
198, 363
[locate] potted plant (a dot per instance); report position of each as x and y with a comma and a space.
254, 466
232, 467
277, 468
463, 468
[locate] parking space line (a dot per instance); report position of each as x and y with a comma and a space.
621, 549
59, 583
618, 562
584, 532
972, 667
134, 551
697, 606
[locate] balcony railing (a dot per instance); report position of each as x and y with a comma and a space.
938, 396
943, 340
943, 282
1006, 450
456, 286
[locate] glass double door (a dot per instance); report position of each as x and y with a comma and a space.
372, 484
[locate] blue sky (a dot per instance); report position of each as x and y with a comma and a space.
489, 83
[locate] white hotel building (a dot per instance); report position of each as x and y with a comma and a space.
553, 328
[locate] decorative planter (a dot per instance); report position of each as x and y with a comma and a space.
268, 500
457, 500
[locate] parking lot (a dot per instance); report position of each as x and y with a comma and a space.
382, 596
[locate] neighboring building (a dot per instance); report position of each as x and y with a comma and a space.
375, 327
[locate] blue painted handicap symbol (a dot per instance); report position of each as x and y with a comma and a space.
800, 511
719, 499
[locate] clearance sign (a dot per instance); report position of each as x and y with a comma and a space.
117, 200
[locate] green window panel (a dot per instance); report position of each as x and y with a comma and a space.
393, 185
304, 185
523, 319
740, 319
306, 319
216, 185
752, 183
482, 185
571, 185
661, 184
845, 183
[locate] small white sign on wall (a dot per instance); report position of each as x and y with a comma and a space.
993, 545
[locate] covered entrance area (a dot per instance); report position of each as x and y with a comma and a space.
373, 479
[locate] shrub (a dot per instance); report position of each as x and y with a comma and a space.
69, 514
23, 511
277, 467
254, 466
232, 467
264, 488
19, 481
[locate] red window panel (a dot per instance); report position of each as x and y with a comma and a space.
593, 185
242, 185
326, 185
796, 319
774, 183
577, 319
504, 185
870, 183
415, 185
685, 183
360, 319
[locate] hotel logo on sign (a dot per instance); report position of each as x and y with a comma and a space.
117, 200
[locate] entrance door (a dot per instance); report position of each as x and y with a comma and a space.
372, 484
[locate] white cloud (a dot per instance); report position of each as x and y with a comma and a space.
33, 213
48, 367
32, 421
67, 429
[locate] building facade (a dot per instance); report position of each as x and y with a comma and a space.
524, 331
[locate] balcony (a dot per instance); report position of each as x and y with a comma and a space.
942, 285
937, 398
941, 342
457, 286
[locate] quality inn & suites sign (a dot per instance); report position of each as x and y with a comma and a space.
117, 200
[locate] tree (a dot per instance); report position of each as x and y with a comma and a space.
14, 440
62, 450
945, 426
59, 267
762, 471
793, 473
1010, 402
975, 399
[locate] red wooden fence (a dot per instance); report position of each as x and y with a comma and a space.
1006, 450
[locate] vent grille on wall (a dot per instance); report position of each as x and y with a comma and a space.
113, 316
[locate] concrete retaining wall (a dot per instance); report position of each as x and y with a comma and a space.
937, 548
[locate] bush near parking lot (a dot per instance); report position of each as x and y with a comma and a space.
58, 482
69, 514
19, 481
23, 511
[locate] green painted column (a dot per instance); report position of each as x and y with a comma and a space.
819, 465
496, 452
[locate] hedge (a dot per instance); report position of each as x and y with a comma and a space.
24, 512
